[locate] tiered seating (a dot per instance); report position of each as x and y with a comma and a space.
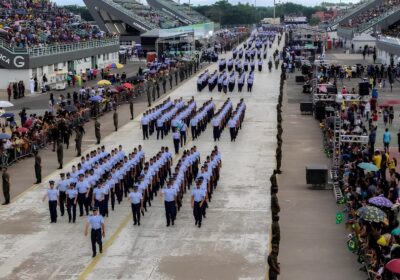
185, 10
27, 23
393, 30
372, 13
156, 18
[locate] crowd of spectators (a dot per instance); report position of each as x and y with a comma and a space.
185, 9
372, 13
367, 174
38, 23
392, 31
157, 18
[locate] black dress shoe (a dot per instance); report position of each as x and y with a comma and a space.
135, 223
167, 225
199, 225
195, 223
94, 255
138, 223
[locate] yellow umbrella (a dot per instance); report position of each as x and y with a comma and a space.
115, 66
104, 83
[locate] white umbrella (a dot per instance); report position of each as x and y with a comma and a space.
5, 104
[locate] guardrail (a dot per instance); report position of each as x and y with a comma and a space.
389, 40
372, 22
62, 48
129, 13
56, 49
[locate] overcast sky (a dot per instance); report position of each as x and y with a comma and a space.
259, 2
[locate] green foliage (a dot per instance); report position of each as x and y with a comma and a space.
314, 21
227, 14
80, 10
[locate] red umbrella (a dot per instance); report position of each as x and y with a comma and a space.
22, 129
120, 88
392, 102
28, 123
394, 266
127, 85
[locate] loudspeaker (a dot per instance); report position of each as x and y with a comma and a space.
300, 79
331, 89
319, 112
363, 88
317, 174
305, 70
306, 107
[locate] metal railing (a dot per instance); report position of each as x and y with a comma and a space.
143, 21
15, 50
62, 48
187, 11
389, 40
351, 11
365, 26
74, 47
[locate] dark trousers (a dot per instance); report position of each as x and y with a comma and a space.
95, 236
118, 192
232, 132
53, 210
63, 198
170, 211
136, 212
216, 133
83, 201
145, 129
183, 138
71, 206
193, 129
6, 193
106, 198
176, 145
197, 212
160, 130
112, 199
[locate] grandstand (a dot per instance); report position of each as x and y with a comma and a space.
183, 12
38, 38
130, 18
388, 44
376, 15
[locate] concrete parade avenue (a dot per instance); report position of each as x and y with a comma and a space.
233, 242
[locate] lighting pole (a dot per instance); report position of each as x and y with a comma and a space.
274, 11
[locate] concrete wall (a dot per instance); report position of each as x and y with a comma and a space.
11, 75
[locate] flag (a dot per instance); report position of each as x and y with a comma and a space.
339, 217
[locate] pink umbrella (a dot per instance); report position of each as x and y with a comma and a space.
323, 89
28, 123
392, 102
22, 129
394, 266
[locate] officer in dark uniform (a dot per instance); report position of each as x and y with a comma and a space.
170, 79
272, 179
276, 232
274, 269
6, 186
164, 83
131, 108
278, 159
38, 167
97, 131
60, 153
52, 196
79, 131
115, 119
275, 208
96, 222
176, 76
148, 93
